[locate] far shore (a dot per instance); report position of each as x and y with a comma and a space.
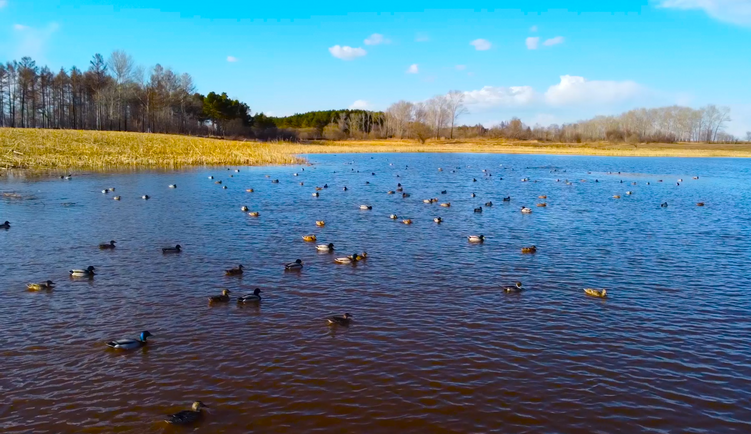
73, 150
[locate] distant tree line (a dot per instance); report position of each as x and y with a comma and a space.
113, 94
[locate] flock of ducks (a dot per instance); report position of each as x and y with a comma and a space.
195, 413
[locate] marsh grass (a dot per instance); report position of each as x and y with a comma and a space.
59, 150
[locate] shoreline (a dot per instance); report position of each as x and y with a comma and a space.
32, 151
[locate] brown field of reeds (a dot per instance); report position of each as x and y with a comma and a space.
58, 150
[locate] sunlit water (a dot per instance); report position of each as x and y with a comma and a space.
436, 346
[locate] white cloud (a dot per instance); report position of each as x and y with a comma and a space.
376, 39
533, 29
481, 44
532, 43
460, 67
422, 37
732, 11
574, 90
20, 27
3, 3
346, 53
32, 42
231, 59
360, 104
413, 69
492, 96
553, 41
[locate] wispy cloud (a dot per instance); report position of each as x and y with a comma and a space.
413, 69
360, 104
20, 27
731, 11
460, 67
553, 41
232, 59
532, 42
533, 29
376, 39
422, 37
346, 53
3, 3
481, 44
31, 41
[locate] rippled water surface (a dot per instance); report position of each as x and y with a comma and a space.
435, 347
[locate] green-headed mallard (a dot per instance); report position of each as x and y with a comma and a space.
366, 207
343, 320
476, 238
116, 198
130, 344
249, 190
234, 271
346, 259
393, 216
530, 249
88, 272
187, 417
602, 293
173, 186
145, 197
40, 286
244, 208
5, 225
251, 298
438, 220
515, 288
177, 249
526, 210
297, 265
220, 298
316, 194
106, 246
325, 247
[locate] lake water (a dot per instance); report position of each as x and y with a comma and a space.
435, 347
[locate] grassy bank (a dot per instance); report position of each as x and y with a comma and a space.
94, 150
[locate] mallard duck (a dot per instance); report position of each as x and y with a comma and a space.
474, 195
320, 223
427, 200
211, 177
616, 197
516, 288
319, 188
325, 247
88, 272
400, 189
393, 216
542, 205
443, 191
297, 265
251, 298
294, 174
446, 205
244, 208
366, 207
220, 298
602, 293
187, 417
695, 177
628, 193
234, 271
478, 210
218, 182
173, 186
145, 197
316, 194
488, 204
344, 189
346, 259
249, 190
362, 257
700, 204
406, 195
438, 220
542, 197
237, 170
5, 225
254, 213
177, 249
276, 181
224, 187
440, 170
40, 286
474, 180
526, 210
309, 238
106, 246
130, 344
664, 205
116, 198
530, 249
343, 320
507, 199
105, 191
407, 221
476, 238
391, 192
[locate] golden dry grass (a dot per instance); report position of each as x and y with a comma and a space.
37, 149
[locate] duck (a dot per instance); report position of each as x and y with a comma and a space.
173, 186
542, 197
320, 223
542, 205
145, 197
220, 298
427, 200
700, 204
616, 197
187, 417
325, 247
177, 249
443, 191
530, 249
249, 190
316, 194
105, 191
391, 192
309, 238
251, 298
346, 259
488, 204
88, 272
344, 189
294, 174
629, 193
237, 170
116, 198
407, 221
40, 286
438, 220
130, 344
366, 207
406, 195
342, 320
362, 257
400, 189
276, 181
515, 288
602, 293
393, 216
695, 177
319, 188
297, 265
211, 177
664, 205
234, 271
224, 187
218, 182
474, 180
478, 210
508, 199
107, 246
244, 208
476, 238
526, 210
325, 186
5, 225
474, 195
446, 205
254, 213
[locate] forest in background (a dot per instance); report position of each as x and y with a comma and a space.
115, 94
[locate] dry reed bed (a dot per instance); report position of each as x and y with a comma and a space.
36, 149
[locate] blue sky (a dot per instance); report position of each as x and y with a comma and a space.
550, 61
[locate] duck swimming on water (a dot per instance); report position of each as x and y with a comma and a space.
40, 286
325, 247
297, 265
234, 271
107, 246
88, 272
187, 417
130, 344
602, 293
251, 298
176, 249
220, 298
516, 288
476, 238
346, 259
342, 320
